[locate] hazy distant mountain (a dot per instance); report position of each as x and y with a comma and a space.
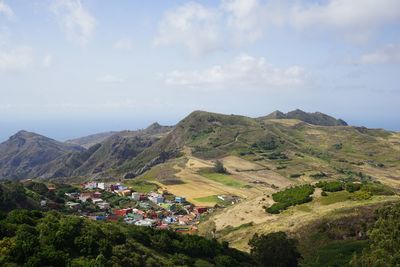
25, 152
30, 155
110, 153
316, 118
90, 140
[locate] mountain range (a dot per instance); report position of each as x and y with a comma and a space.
30, 155
207, 135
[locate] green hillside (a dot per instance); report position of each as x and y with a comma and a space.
292, 147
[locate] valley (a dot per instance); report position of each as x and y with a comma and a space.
258, 157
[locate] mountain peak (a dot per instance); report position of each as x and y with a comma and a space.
23, 134
153, 126
277, 114
316, 118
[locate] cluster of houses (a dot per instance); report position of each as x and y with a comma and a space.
155, 209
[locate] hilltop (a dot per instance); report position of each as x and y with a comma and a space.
316, 118
25, 153
90, 140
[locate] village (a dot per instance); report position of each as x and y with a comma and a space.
117, 202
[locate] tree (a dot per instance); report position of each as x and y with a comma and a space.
274, 250
384, 249
225, 261
101, 261
219, 167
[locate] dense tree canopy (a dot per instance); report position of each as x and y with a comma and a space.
384, 238
290, 197
274, 250
33, 238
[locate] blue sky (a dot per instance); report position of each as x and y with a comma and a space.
74, 67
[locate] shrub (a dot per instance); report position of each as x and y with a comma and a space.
267, 144
290, 197
338, 146
361, 195
352, 187
318, 175
219, 167
377, 188
324, 194
277, 155
334, 186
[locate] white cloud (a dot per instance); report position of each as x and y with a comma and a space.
192, 25
246, 19
75, 20
203, 29
123, 44
6, 10
357, 19
47, 61
244, 72
388, 54
108, 78
15, 59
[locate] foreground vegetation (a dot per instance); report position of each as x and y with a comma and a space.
384, 240
33, 238
359, 237
53, 238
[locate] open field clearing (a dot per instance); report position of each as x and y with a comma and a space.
289, 220
200, 187
286, 122
197, 186
212, 199
388, 176
222, 178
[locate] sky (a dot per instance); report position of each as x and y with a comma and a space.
69, 68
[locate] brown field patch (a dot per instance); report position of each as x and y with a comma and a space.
289, 221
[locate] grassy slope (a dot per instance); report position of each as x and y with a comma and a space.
306, 148
338, 152
332, 241
289, 220
222, 178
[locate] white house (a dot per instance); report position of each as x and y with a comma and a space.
156, 198
101, 186
136, 196
145, 222
103, 205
